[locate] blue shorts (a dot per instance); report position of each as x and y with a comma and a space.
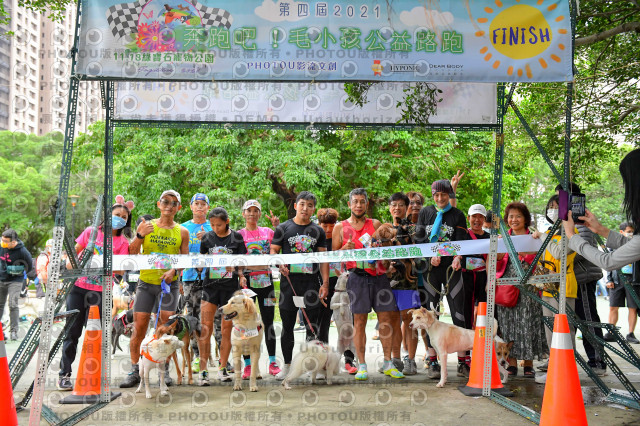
407, 299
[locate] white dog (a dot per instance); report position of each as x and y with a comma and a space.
341, 306
314, 357
444, 338
246, 336
155, 353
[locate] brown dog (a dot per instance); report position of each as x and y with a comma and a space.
503, 349
385, 236
184, 328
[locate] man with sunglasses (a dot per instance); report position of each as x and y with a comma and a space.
159, 236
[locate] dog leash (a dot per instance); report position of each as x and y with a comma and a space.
166, 289
304, 313
446, 286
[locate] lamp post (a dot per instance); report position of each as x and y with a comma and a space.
74, 200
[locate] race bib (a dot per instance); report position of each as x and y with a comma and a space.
133, 278
628, 270
475, 263
365, 239
301, 268
298, 301
334, 268
247, 333
260, 281
270, 301
219, 273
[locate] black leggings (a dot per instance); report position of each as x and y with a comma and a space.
267, 313
80, 299
287, 338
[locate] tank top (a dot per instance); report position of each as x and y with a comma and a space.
373, 269
165, 241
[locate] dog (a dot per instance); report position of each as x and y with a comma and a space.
341, 306
502, 353
445, 338
397, 269
155, 352
185, 328
314, 357
121, 299
246, 336
122, 325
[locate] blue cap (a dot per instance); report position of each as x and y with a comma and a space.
200, 197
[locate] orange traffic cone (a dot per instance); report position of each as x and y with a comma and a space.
87, 387
474, 386
7, 403
562, 403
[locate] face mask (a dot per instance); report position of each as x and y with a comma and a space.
552, 214
117, 222
628, 235
487, 230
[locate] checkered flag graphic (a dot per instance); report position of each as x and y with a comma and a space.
213, 16
123, 18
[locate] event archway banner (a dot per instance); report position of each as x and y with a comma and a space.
289, 40
293, 102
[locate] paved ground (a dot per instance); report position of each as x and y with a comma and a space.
413, 400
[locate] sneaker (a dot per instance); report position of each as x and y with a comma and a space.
195, 365
223, 375
64, 383
409, 368
544, 367
14, 336
321, 376
246, 373
204, 378
394, 373
230, 368
541, 378
132, 379
631, 338
167, 378
600, 371
351, 369
376, 336
283, 372
362, 374
608, 337
434, 370
274, 369
300, 328
398, 364
463, 370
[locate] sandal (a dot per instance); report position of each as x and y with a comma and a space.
513, 370
529, 372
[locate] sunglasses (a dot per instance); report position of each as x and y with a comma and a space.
169, 203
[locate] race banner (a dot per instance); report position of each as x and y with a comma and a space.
292, 40
522, 243
299, 103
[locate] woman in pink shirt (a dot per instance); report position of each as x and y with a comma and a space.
87, 291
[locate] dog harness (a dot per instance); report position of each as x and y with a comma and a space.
183, 328
247, 333
146, 354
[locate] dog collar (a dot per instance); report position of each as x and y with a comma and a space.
247, 333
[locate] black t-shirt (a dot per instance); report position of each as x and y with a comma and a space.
213, 244
454, 228
294, 238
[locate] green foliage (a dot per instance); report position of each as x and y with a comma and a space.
56, 9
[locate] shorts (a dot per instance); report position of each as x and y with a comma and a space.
618, 294
147, 295
218, 295
369, 292
407, 299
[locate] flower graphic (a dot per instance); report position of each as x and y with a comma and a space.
154, 38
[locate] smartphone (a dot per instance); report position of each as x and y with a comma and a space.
578, 206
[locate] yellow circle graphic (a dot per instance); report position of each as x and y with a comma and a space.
520, 32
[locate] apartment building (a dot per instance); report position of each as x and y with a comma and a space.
34, 75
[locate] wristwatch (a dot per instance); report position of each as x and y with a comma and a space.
139, 236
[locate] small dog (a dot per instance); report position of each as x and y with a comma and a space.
341, 306
314, 357
122, 325
155, 352
445, 338
185, 328
502, 353
121, 299
246, 336
397, 269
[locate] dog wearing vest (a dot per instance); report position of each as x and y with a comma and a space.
154, 352
341, 306
314, 357
445, 338
185, 328
122, 326
246, 336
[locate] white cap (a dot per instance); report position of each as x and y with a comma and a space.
252, 203
171, 192
477, 208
